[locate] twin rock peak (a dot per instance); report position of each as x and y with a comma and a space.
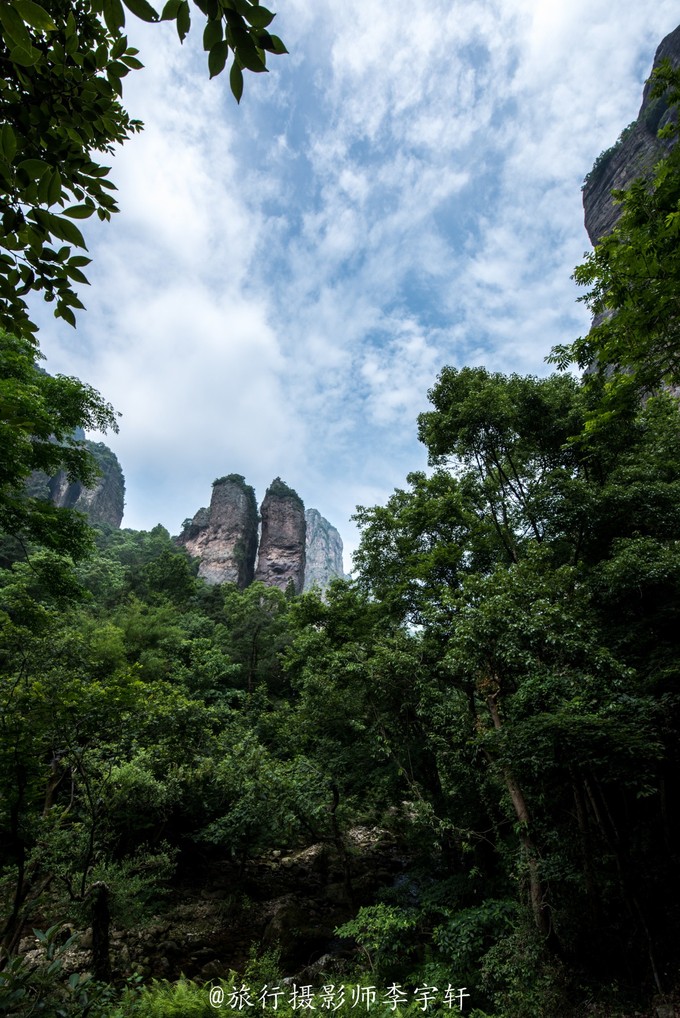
282, 546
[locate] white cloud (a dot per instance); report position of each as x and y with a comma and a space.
286, 278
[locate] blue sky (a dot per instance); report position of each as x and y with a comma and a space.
286, 278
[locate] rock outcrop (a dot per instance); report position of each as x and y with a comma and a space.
323, 552
224, 536
103, 502
633, 155
295, 547
281, 556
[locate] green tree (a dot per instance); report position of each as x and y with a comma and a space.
60, 87
39, 415
530, 564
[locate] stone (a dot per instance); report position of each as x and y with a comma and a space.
634, 155
323, 552
281, 556
103, 502
224, 536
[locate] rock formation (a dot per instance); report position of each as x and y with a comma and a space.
102, 503
634, 154
281, 556
323, 552
295, 546
224, 536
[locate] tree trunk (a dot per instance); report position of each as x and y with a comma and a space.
537, 894
101, 923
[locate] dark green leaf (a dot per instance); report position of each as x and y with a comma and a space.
246, 50
54, 193
63, 311
236, 81
34, 15
8, 142
79, 211
183, 20
15, 32
114, 15
278, 45
142, 9
212, 34
77, 275
171, 9
24, 57
217, 58
119, 47
63, 229
34, 167
259, 17
133, 63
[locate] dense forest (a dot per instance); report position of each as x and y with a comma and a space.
462, 765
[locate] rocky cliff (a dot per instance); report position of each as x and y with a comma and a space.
102, 503
633, 155
295, 546
224, 536
323, 551
281, 556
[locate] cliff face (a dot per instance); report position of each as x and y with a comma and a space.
295, 546
323, 551
281, 557
634, 154
224, 536
103, 503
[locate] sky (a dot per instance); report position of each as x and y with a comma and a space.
287, 277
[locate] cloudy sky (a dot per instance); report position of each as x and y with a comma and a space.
286, 278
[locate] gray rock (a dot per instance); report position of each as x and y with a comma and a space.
224, 537
323, 553
634, 155
281, 556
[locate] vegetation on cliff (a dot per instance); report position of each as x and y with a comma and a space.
279, 489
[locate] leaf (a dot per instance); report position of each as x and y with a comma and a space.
171, 9
183, 20
63, 311
142, 9
34, 15
260, 17
24, 57
8, 142
278, 45
133, 63
62, 228
114, 15
79, 211
34, 167
217, 58
15, 28
212, 34
119, 47
245, 48
236, 81
77, 275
